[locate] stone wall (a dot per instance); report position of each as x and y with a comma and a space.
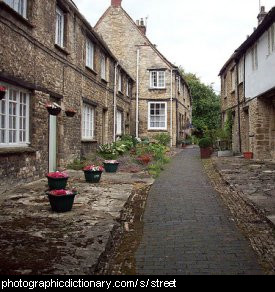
30, 59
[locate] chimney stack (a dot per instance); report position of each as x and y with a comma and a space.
116, 3
141, 25
261, 15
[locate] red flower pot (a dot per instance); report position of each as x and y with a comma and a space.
206, 152
248, 155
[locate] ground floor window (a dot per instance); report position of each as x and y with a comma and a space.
157, 116
88, 122
14, 117
119, 129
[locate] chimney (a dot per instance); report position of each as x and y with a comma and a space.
141, 26
261, 15
116, 3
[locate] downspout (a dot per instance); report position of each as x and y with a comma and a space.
115, 103
137, 95
239, 110
171, 109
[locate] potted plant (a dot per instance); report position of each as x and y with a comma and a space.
70, 112
61, 200
205, 148
111, 166
248, 155
57, 180
2, 92
93, 173
53, 108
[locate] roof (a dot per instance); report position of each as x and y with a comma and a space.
262, 27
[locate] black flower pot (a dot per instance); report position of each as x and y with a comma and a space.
57, 183
2, 94
92, 176
70, 114
111, 167
61, 204
54, 111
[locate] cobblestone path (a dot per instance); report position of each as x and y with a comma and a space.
187, 230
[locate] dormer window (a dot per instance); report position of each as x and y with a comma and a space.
20, 6
59, 27
157, 79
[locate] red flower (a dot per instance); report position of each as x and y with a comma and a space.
3, 88
61, 193
93, 168
57, 174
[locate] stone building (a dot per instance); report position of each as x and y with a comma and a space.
50, 53
163, 100
248, 90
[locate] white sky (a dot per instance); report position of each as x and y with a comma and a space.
199, 35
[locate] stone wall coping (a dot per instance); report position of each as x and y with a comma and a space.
16, 150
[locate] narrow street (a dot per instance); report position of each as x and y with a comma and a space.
187, 229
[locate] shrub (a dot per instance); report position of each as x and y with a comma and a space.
77, 164
107, 151
163, 139
205, 143
155, 169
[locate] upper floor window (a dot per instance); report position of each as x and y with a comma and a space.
20, 6
225, 85
254, 56
88, 122
90, 50
241, 71
103, 66
157, 79
179, 84
233, 79
119, 81
59, 27
128, 88
14, 117
271, 39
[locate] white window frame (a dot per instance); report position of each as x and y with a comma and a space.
119, 81
88, 122
149, 116
254, 57
128, 88
90, 53
119, 123
20, 6
155, 82
233, 79
103, 66
241, 70
7, 115
179, 85
271, 39
59, 27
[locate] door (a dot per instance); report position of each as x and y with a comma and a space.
52, 143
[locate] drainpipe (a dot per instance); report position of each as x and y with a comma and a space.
115, 91
171, 109
137, 95
239, 110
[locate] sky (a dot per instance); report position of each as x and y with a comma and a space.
198, 35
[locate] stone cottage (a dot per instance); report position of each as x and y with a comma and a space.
248, 90
163, 101
50, 53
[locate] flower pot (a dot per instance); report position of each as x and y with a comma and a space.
57, 183
63, 203
92, 176
248, 155
54, 111
111, 167
70, 114
206, 152
2, 94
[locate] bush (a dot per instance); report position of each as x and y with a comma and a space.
108, 152
77, 164
163, 139
205, 143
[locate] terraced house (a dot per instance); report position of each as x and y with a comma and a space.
163, 100
248, 90
49, 53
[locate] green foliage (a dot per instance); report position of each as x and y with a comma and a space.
163, 139
205, 143
107, 151
77, 164
228, 126
155, 169
205, 106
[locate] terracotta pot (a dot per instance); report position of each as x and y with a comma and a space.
248, 155
206, 152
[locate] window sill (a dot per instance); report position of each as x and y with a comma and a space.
91, 70
155, 89
16, 150
104, 80
88, 141
62, 50
18, 16
157, 130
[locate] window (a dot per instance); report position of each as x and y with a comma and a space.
90, 49
103, 66
271, 39
157, 116
179, 85
20, 6
128, 88
233, 79
241, 70
119, 123
157, 79
254, 55
14, 117
88, 126
225, 85
119, 81
59, 27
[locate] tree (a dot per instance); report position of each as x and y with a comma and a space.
206, 105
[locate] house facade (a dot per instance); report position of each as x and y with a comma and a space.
162, 103
50, 53
248, 90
